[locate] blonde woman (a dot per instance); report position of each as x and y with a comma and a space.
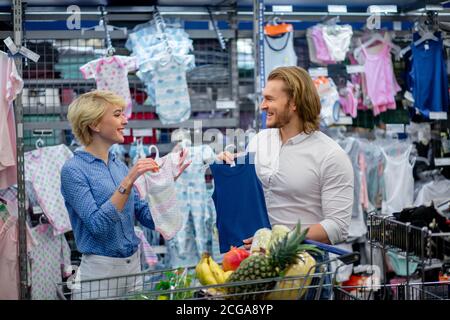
99, 195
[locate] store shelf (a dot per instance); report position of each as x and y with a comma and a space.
143, 124
90, 82
197, 105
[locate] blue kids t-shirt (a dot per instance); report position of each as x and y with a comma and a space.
429, 76
239, 200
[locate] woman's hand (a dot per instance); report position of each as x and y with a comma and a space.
142, 166
181, 162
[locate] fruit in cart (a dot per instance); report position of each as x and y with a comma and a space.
283, 254
233, 258
261, 239
278, 232
302, 272
203, 271
216, 270
227, 274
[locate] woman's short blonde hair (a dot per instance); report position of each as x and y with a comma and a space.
88, 109
301, 90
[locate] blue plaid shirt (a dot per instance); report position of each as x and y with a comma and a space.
87, 185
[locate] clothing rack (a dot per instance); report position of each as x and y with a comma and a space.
109, 48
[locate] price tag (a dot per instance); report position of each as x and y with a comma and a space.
225, 104
442, 161
318, 72
143, 132
438, 115
42, 132
397, 25
337, 9
345, 121
37, 210
395, 128
29, 54
11, 46
408, 96
382, 9
282, 9
355, 69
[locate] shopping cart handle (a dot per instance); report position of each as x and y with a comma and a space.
345, 256
327, 247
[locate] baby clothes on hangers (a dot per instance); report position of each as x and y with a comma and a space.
111, 73
9, 258
433, 190
10, 86
43, 169
159, 190
149, 257
381, 83
322, 53
199, 215
349, 103
279, 52
337, 39
329, 99
173, 104
146, 43
50, 262
429, 76
398, 181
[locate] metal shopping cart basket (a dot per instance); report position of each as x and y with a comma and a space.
401, 291
181, 284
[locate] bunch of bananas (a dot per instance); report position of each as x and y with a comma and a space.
209, 272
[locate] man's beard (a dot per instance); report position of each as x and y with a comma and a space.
282, 118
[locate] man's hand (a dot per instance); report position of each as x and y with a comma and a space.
248, 243
227, 156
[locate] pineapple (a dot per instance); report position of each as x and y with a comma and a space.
282, 254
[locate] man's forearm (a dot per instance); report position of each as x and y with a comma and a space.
317, 233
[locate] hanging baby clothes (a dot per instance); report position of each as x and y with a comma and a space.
50, 262
398, 182
337, 39
279, 52
173, 104
433, 190
381, 83
9, 258
159, 189
329, 100
199, 214
10, 86
429, 76
239, 200
111, 73
149, 258
146, 43
318, 49
43, 168
349, 102
357, 226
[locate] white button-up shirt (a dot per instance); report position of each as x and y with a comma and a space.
309, 178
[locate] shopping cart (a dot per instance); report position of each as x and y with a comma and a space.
415, 249
401, 291
181, 284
